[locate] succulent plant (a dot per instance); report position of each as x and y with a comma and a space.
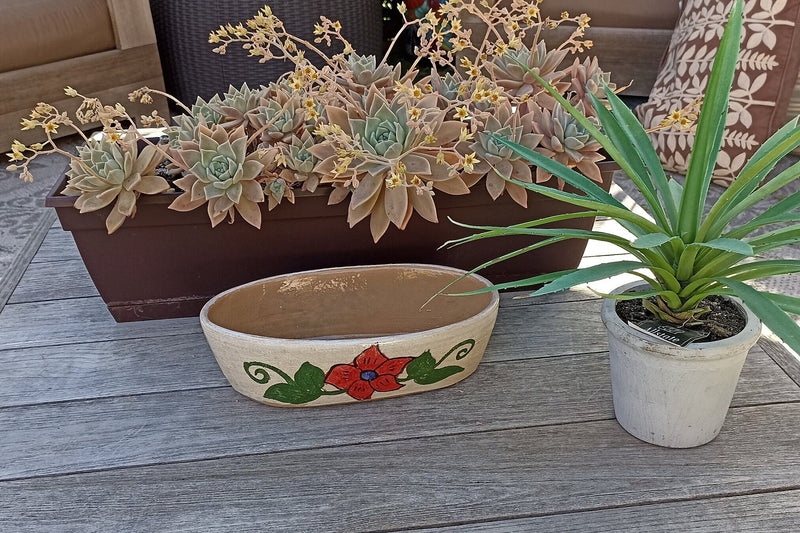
208, 110
509, 74
388, 161
496, 160
587, 78
236, 105
105, 171
367, 73
280, 115
300, 162
447, 87
221, 174
565, 140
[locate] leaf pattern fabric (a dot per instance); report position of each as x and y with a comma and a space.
766, 75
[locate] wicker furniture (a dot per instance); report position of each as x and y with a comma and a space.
191, 69
102, 48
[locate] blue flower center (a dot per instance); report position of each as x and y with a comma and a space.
369, 375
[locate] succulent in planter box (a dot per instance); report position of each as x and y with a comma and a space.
686, 259
377, 145
384, 138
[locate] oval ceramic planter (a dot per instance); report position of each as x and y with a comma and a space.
349, 334
669, 395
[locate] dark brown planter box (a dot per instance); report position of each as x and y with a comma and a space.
167, 264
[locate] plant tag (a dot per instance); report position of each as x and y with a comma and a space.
668, 332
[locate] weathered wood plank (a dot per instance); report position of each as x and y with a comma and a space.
53, 322
420, 482
201, 424
772, 511
781, 354
104, 369
58, 245
54, 280
58, 322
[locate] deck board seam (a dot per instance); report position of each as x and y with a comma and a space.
149, 335
226, 386
644, 504
561, 424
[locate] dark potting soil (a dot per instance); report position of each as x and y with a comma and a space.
722, 321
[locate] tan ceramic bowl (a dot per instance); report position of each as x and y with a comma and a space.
349, 334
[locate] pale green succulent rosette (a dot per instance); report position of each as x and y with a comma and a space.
567, 141
106, 171
511, 70
366, 73
221, 174
397, 170
236, 105
300, 162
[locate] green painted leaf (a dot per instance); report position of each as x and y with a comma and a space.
420, 366
291, 393
438, 374
309, 377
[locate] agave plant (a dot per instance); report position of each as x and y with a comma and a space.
221, 174
682, 254
105, 171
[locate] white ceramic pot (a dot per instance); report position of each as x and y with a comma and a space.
670, 395
349, 334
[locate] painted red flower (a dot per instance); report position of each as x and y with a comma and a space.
371, 371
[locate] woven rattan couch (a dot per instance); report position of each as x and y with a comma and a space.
191, 69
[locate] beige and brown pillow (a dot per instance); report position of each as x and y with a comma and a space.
765, 78
794, 107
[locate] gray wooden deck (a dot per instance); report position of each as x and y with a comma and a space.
132, 427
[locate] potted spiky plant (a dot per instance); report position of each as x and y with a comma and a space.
663, 393
360, 146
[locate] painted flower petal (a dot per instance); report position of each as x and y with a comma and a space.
370, 359
385, 383
343, 376
361, 390
393, 366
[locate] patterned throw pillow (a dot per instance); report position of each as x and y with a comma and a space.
765, 77
794, 107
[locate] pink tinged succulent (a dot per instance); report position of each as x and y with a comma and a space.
587, 78
498, 162
566, 141
235, 106
220, 173
390, 178
509, 70
106, 171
